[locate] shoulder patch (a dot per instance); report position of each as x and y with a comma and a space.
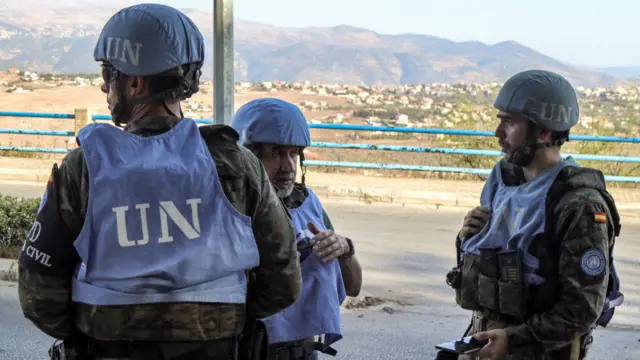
600, 217
593, 262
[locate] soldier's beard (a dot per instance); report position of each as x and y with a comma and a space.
284, 192
284, 182
121, 111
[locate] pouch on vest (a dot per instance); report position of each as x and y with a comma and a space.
467, 295
488, 279
511, 287
454, 276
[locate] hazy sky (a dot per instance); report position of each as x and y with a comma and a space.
587, 32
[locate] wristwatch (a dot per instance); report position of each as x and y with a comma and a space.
351, 252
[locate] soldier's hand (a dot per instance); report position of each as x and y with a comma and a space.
474, 221
327, 244
498, 344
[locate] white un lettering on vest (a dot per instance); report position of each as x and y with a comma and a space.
166, 210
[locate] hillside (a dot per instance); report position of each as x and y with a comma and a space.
631, 72
62, 40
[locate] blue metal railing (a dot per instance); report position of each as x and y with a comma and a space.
36, 115
456, 151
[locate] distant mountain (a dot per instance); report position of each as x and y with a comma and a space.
62, 40
631, 72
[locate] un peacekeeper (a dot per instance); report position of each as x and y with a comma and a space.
277, 133
144, 236
536, 257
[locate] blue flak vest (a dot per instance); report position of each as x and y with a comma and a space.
317, 310
158, 227
518, 215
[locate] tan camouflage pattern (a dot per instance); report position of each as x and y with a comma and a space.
579, 299
277, 284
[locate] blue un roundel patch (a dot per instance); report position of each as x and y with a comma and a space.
593, 262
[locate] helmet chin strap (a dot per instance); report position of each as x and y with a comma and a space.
524, 155
120, 108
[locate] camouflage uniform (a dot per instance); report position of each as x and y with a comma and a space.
568, 304
45, 290
558, 315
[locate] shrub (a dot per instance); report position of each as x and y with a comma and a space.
16, 217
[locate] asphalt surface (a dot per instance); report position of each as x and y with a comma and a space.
405, 252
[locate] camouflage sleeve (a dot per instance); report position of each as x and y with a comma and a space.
48, 258
584, 238
327, 221
278, 282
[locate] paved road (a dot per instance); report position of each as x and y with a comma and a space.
21, 189
405, 251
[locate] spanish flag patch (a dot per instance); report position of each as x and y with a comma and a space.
600, 217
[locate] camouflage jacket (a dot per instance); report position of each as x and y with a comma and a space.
45, 281
570, 302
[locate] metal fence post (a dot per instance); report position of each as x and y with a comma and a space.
223, 80
82, 119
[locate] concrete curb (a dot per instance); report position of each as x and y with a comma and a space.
373, 195
439, 198
8, 270
463, 196
26, 175
430, 198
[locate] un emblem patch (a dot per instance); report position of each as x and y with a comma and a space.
593, 262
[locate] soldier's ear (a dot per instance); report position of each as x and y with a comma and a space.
137, 86
544, 135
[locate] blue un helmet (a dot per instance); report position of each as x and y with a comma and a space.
147, 40
272, 121
547, 100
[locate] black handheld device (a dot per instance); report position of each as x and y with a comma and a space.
466, 345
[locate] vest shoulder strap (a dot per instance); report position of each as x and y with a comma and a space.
568, 188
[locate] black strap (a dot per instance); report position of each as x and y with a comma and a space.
145, 350
111, 349
468, 327
301, 352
